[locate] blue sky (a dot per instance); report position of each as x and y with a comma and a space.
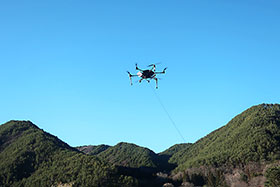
63, 66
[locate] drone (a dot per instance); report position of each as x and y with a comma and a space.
146, 74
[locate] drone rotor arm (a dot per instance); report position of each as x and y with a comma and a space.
162, 72
136, 67
130, 77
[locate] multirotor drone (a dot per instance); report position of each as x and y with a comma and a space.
146, 74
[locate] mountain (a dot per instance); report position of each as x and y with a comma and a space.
252, 136
244, 152
93, 149
138, 162
133, 156
130, 155
31, 157
175, 148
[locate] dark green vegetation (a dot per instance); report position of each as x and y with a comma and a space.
31, 157
248, 147
133, 156
175, 148
133, 160
253, 135
273, 177
130, 155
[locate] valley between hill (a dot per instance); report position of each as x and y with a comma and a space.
244, 152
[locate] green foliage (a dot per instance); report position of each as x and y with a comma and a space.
98, 149
130, 155
197, 179
31, 157
215, 178
273, 177
175, 148
211, 177
244, 177
254, 135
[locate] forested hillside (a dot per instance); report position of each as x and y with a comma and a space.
130, 155
244, 152
93, 149
253, 135
176, 148
31, 157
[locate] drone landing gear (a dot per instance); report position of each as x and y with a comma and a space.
156, 82
130, 77
150, 81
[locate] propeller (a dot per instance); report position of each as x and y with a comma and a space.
154, 64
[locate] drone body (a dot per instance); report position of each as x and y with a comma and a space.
147, 74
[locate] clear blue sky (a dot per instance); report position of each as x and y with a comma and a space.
63, 66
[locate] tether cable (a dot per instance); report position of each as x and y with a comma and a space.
167, 113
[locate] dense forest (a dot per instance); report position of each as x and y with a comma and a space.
254, 135
244, 152
31, 157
